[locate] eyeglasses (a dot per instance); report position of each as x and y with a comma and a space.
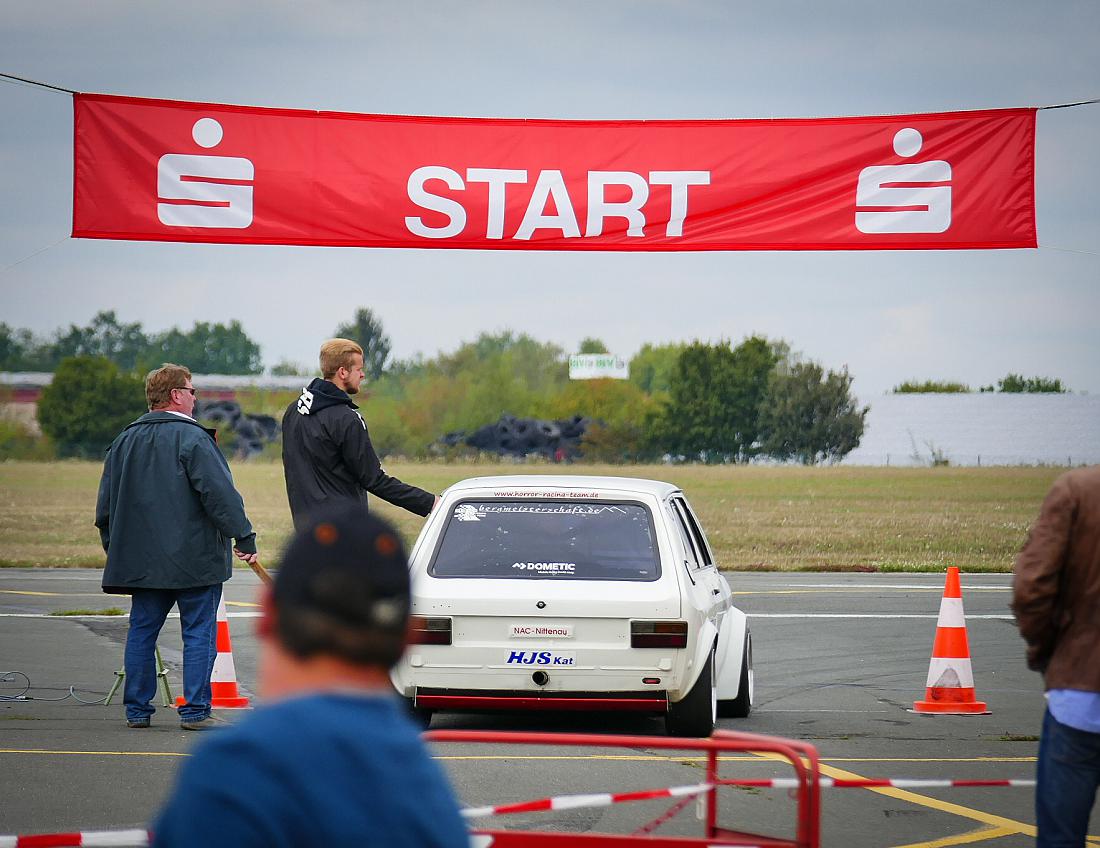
184, 389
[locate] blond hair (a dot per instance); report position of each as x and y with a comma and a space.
160, 381
337, 354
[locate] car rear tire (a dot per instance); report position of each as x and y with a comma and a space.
421, 716
741, 706
696, 713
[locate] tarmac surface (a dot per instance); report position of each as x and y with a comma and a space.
839, 661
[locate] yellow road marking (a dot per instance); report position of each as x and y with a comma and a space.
39, 594
588, 757
979, 835
95, 753
96, 595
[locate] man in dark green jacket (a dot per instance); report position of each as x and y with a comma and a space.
166, 512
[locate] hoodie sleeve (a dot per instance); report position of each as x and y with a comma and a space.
360, 457
210, 477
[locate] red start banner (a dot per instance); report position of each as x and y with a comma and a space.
199, 172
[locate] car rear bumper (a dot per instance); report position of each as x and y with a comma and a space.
644, 702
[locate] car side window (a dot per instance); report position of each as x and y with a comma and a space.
685, 534
697, 533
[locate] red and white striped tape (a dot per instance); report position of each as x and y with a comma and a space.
85, 839
573, 802
140, 838
872, 782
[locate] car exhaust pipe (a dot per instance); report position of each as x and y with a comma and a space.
541, 678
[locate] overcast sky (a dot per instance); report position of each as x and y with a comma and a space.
963, 315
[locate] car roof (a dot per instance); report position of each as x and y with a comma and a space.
571, 482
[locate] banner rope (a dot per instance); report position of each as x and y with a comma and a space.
37, 83
70, 91
1069, 105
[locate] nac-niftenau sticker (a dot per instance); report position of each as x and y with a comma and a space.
541, 631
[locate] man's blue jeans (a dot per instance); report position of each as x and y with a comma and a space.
1068, 777
198, 620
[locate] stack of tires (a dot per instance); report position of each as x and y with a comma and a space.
249, 433
558, 440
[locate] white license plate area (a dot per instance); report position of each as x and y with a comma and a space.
538, 630
540, 658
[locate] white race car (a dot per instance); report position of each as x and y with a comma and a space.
573, 593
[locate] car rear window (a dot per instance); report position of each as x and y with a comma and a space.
548, 540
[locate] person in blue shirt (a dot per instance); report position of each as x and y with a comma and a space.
332, 758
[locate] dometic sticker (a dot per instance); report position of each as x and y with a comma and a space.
547, 567
541, 631
541, 658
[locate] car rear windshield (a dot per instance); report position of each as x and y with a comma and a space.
548, 540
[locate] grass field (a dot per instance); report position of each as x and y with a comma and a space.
829, 519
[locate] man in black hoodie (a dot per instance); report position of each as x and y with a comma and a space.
327, 453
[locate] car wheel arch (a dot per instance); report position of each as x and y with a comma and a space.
729, 652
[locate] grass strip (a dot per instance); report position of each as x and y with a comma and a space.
756, 518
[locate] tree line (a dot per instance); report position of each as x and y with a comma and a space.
705, 402
206, 348
1011, 384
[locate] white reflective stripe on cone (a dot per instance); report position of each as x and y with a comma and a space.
950, 673
224, 670
951, 613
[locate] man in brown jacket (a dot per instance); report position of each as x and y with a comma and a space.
1056, 599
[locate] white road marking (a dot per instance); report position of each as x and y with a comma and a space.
867, 615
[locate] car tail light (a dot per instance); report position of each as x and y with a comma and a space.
429, 631
658, 634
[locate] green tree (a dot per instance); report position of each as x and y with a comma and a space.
124, 344
20, 350
652, 367
810, 415
88, 402
1018, 384
931, 387
207, 349
714, 400
286, 368
541, 367
592, 345
621, 414
366, 329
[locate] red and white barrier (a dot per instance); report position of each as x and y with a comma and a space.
574, 802
873, 782
140, 838
84, 839
606, 799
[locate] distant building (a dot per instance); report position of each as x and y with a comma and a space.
20, 390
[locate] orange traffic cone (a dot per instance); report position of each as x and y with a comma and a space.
223, 679
950, 685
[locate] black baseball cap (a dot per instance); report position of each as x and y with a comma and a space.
343, 588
